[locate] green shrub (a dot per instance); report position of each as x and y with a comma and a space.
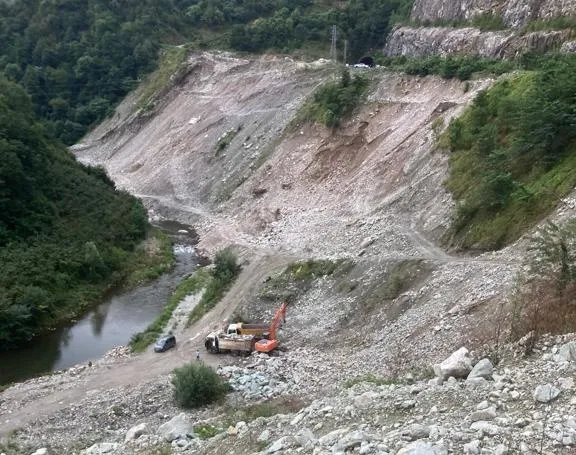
196, 384
335, 100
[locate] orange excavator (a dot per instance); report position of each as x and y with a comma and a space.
267, 345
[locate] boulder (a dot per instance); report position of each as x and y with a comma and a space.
422, 448
546, 393
567, 352
101, 448
416, 431
179, 427
485, 427
484, 414
41, 451
285, 442
482, 369
264, 436
458, 365
135, 432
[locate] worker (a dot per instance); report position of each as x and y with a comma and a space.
197, 355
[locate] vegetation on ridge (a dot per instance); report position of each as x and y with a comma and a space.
513, 153
66, 234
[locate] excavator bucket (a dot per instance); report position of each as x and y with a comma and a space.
266, 345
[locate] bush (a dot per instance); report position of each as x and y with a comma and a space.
196, 384
335, 100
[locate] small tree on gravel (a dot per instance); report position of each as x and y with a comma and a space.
196, 384
226, 266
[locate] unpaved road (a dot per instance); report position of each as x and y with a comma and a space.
149, 365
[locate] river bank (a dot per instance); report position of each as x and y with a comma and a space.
104, 326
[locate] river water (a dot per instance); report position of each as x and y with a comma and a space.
110, 324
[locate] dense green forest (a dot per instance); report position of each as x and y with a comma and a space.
66, 234
78, 58
513, 153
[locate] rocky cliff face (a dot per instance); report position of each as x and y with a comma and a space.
515, 13
510, 43
425, 41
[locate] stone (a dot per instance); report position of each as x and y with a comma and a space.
483, 414
41, 451
331, 438
457, 365
179, 427
135, 432
365, 400
546, 393
566, 383
417, 431
476, 382
304, 437
264, 436
101, 448
422, 448
501, 449
283, 443
482, 369
472, 448
567, 352
485, 427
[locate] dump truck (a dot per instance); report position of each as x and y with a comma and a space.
244, 338
217, 343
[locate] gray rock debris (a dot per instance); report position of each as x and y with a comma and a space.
546, 393
567, 352
422, 448
101, 448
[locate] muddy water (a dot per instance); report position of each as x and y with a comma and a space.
110, 324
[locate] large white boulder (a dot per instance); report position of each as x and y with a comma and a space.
458, 365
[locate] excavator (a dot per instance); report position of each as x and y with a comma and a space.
244, 338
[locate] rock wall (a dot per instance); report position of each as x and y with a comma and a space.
425, 41
516, 13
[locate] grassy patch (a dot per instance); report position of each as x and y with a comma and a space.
297, 279
401, 276
216, 283
513, 154
371, 379
556, 23
459, 67
225, 191
333, 101
207, 431
281, 405
152, 259
190, 285
485, 22
172, 63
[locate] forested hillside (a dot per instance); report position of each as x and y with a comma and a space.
77, 58
65, 233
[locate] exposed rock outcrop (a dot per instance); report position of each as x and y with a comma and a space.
425, 41
515, 13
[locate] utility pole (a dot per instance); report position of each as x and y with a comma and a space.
333, 45
345, 50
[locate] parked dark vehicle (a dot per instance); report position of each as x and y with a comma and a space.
165, 343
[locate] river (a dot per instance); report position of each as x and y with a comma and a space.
110, 324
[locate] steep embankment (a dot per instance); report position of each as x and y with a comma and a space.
487, 29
